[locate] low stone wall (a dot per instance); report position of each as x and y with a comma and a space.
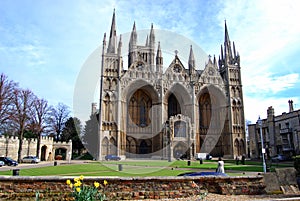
131, 188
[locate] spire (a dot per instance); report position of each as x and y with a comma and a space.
133, 37
227, 46
226, 34
147, 41
191, 61
222, 54
215, 61
152, 37
234, 53
120, 46
112, 44
104, 43
159, 58
159, 54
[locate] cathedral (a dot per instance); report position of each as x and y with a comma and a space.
147, 111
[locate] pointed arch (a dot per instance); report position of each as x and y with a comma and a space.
173, 106
237, 147
212, 120
113, 146
242, 147
105, 146
139, 108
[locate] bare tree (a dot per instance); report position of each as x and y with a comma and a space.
22, 104
59, 115
40, 114
6, 96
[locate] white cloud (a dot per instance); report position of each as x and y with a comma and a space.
255, 107
269, 83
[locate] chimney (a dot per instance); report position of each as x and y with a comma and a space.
94, 108
291, 107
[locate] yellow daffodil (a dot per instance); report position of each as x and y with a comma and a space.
76, 179
78, 183
96, 184
78, 189
81, 177
71, 185
68, 181
105, 182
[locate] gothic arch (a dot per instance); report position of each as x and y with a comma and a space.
176, 99
212, 114
105, 146
242, 147
113, 146
237, 147
131, 145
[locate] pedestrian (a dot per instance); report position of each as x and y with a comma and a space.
243, 159
220, 168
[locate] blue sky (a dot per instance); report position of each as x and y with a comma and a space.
44, 44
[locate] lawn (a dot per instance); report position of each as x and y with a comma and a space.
141, 168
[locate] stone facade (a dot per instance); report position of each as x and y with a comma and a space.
9, 146
147, 111
281, 133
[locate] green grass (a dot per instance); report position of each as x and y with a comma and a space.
140, 168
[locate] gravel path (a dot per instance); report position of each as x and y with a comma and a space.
218, 197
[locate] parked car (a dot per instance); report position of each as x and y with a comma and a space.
112, 157
30, 159
8, 161
203, 156
279, 157
1, 163
203, 174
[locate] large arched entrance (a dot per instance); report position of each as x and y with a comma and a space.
212, 121
142, 119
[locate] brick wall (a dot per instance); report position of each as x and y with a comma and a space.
129, 188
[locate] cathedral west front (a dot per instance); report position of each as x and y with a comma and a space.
147, 111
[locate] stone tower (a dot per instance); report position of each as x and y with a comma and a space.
149, 112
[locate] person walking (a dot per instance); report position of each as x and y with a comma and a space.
220, 168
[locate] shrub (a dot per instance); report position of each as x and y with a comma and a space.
297, 164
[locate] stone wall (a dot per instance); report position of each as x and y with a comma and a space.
129, 188
9, 146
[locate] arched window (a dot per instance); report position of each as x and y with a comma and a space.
139, 108
173, 106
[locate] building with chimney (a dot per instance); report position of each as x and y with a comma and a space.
147, 111
280, 134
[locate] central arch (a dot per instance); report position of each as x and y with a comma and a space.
178, 101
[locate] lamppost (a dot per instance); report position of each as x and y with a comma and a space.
259, 121
169, 140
